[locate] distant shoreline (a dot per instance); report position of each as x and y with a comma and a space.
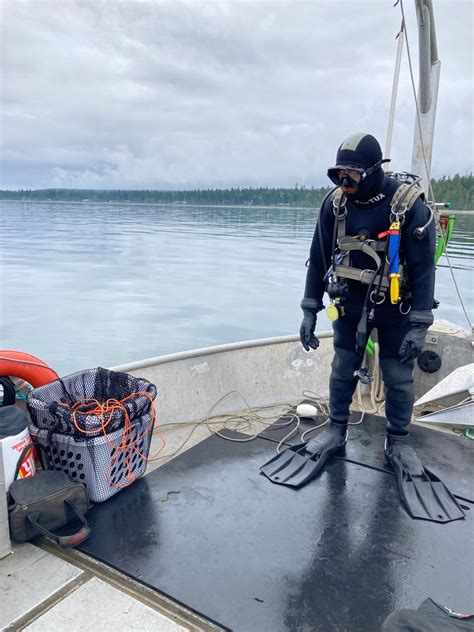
176, 204
181, 205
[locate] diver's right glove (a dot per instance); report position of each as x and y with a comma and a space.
310, 307
414, 341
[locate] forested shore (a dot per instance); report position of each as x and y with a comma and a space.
457, 191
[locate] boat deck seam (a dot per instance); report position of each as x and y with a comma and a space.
21, 622
155, 600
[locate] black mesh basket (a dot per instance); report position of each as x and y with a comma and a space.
105, 452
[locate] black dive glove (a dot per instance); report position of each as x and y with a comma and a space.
414, 340
310, 307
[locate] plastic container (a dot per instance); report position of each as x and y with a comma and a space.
14, 438
105, 458
99, 463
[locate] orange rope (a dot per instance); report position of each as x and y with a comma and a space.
105, 413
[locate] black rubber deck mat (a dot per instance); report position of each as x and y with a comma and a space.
451, 457
340, 554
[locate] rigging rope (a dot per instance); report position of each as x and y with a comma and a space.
252, 415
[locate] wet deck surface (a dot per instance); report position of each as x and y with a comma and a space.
338, 555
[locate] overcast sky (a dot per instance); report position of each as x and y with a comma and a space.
185, 94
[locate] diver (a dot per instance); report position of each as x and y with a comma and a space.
373, 253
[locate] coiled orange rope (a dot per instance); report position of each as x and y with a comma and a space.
105, 412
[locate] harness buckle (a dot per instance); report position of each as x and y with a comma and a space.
403, 311
373, 298
339, 216
399, 216
338, 202
339, 258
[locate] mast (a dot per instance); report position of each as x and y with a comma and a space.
393, 103
429, 73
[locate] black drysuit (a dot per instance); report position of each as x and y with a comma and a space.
372, 218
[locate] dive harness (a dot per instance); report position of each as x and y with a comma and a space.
389, 272
388, 275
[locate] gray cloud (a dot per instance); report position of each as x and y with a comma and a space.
206, 93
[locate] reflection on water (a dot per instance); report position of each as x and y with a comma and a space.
86, 285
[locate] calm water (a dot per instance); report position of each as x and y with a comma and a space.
84, 285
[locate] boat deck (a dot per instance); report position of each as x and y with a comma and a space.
204, 542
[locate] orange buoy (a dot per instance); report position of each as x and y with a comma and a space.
26, 366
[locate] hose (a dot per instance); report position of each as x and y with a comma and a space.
445, 238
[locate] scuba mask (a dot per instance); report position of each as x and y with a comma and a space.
344, 179
339, 179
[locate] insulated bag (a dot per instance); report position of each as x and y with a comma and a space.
45, 502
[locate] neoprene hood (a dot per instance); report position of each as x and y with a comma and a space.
360, 152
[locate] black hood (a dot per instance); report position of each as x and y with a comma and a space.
363, 153
369, 188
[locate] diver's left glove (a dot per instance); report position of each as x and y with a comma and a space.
414, 340
310, 307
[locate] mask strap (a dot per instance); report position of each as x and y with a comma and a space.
371, 169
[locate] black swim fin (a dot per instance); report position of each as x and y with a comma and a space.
297, 464
424, 495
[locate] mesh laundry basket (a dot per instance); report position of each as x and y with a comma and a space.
96, 426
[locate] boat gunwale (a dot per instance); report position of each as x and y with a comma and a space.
205, 351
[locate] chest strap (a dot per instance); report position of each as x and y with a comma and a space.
356, 243
370, 247
365, 276
348, 244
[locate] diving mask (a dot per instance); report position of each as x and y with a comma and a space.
344, 179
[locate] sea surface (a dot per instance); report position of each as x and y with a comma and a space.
85, 285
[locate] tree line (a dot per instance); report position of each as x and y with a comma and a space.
457, 190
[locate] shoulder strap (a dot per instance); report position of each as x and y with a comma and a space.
340, 217
404, 198
336, 198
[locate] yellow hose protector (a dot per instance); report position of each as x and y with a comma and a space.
394, 288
